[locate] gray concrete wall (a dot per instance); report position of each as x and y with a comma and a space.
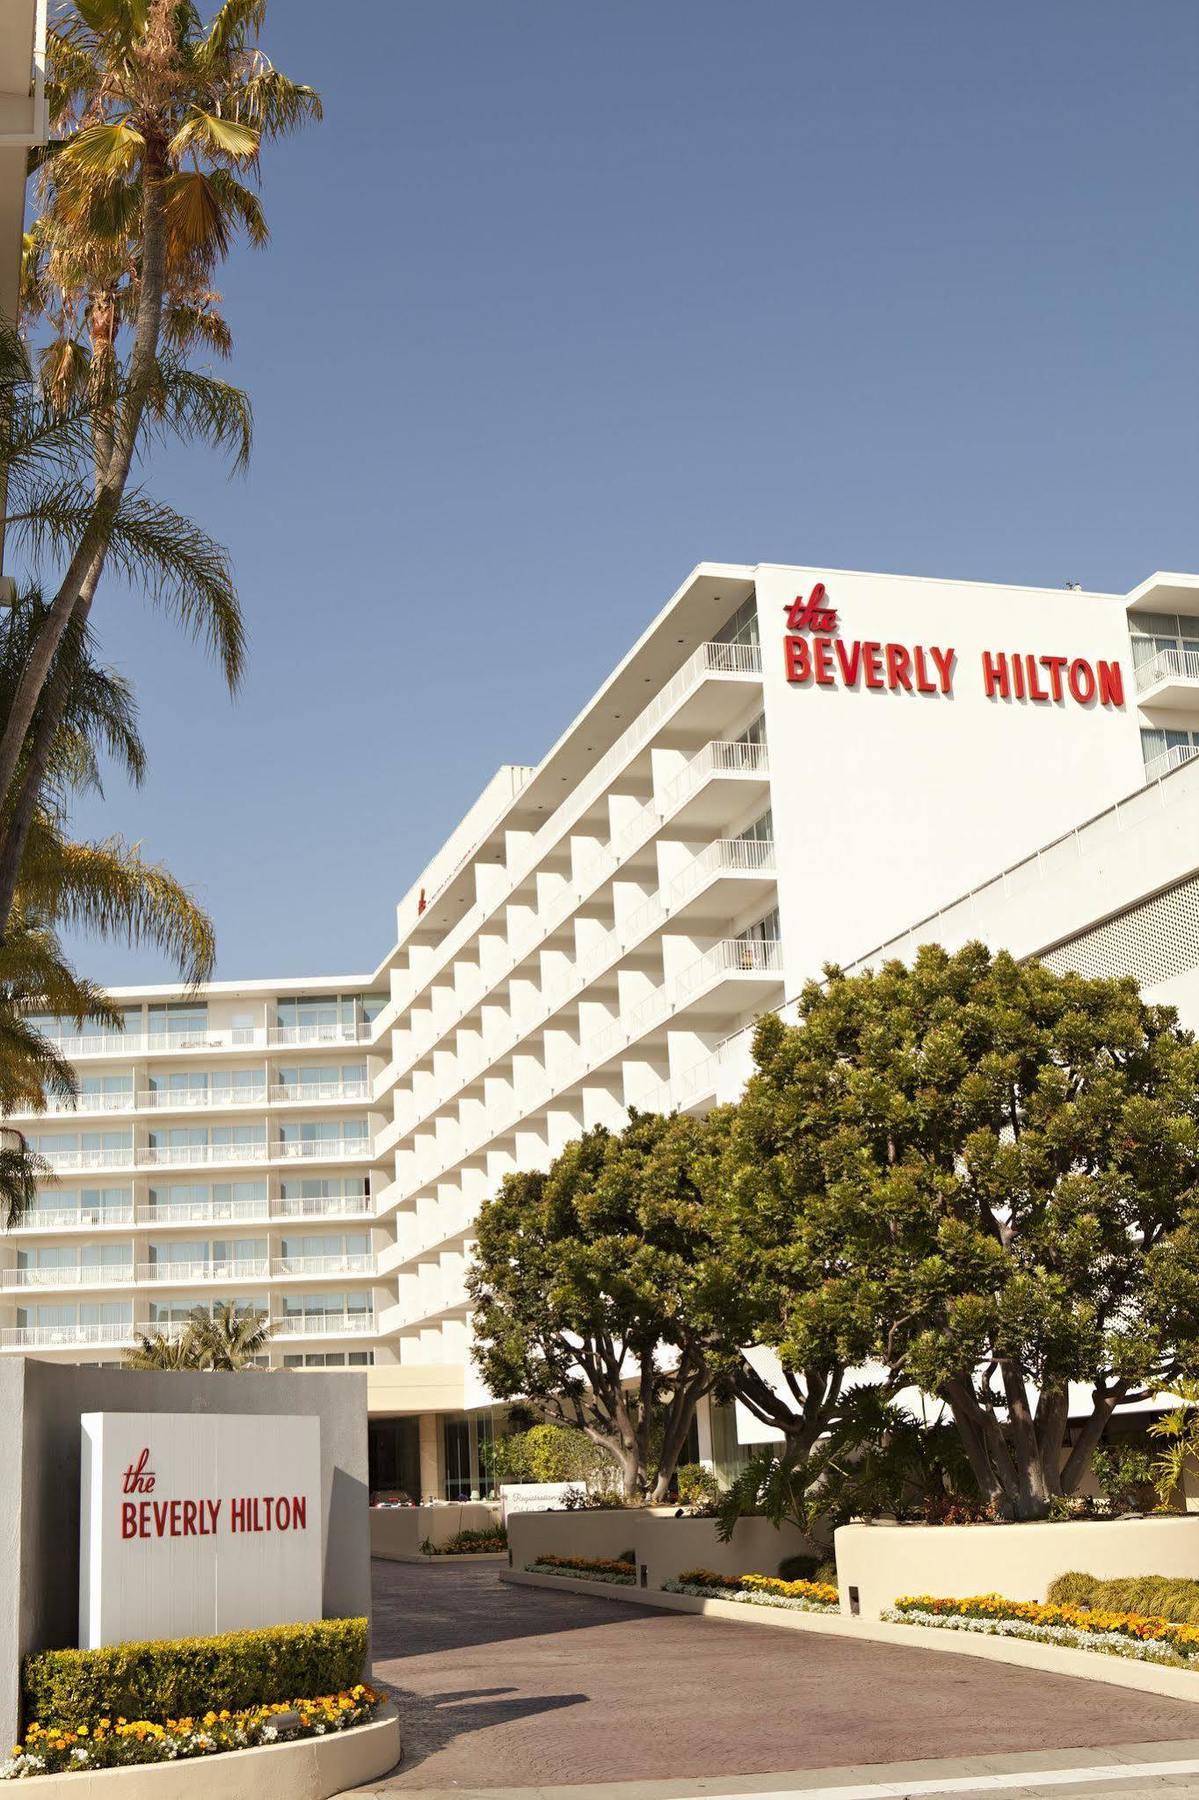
40, 1408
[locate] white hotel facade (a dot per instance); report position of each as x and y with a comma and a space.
791, 766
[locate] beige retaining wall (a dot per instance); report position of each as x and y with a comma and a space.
397, 1532
662, 1544
313, 1769
1018, 1561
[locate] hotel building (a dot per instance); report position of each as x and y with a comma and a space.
791, 766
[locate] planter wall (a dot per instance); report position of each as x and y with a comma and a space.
1019, 1561
312, 1769
663, 1545
397, 1532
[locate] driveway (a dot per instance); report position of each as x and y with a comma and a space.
506, 1687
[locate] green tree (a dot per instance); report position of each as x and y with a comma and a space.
551, 1453
1000, 1165
587, 1294
160, 117
228, 1339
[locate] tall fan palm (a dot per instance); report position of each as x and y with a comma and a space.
104, 888
163, 117
232, 1336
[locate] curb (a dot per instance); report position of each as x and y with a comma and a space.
1049, 1659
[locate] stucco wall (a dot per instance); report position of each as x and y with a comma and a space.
662, 1544
1018, 1561
398, 1532
40, 1407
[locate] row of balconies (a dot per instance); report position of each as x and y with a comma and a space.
178, 1274
725, 857
213, 1099
755, 967
714, 661
187, 1043
124, 1336
194, 1212
158, 1156
733, 759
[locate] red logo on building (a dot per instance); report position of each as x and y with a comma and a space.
139, 1477
812, 614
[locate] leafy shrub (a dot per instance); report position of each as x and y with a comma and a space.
1155, 1596
469, 1543
1125, 1474
552, 1453
697, 1486
798, 1568
581, 1499
621, 1569
175, 1678
825, 1571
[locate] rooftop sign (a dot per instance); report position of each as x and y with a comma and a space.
815, 657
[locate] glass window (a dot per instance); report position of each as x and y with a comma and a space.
761, 831
179, 1019
753, 734
107, 1084
742, 628
323, 1187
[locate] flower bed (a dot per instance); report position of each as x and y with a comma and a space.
1144, 1637
586, 1568
469, 1543
120, 1743
756, 1590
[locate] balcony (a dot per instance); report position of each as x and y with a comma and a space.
319, 1093
324, 1149
192, 1212
81, 1046
320, 1267
73, 1218
733, 976
1169, 678
65, 1162
67, 1337
194, 1155
324, 1325
191, 1099
1168, 760
205, 1212
181, 1274
69, 1275
325, 1206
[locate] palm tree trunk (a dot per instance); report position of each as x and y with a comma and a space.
83, 572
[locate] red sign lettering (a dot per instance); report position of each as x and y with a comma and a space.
812, 614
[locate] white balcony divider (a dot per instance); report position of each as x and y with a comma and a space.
1168, 665
720, 659
724, 855
1170, 759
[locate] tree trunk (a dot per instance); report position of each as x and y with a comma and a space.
92, 549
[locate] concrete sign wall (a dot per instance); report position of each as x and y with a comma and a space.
535, 1496
190, 1525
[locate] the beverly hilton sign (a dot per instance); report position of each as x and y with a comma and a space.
816, 655
191, 1524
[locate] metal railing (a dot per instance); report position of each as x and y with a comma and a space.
64, 1161
1167, 665
189, 1155
200, 1037
177, 1274
355, 1324
317, 1092
352, 1263
69, 1275
64, 1337
1166, 760
185, 1099
323, 1149
72, 1218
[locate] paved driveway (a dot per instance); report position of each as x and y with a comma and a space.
517, 1687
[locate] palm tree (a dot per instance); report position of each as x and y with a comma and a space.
161, 116
105, 888
159, 1350
232, 1336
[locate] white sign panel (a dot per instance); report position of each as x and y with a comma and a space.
192, 1524
535, 1496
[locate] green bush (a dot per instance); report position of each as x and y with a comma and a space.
697, 1486
797, 1568
551, 1453
173, 1678
1170, 1597
826, 1571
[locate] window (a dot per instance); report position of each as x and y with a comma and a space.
458, 1482
176, 1310
757, 941
1164, 750
108, 1086
179, 1020
753, 734
323, 1131
1153, 632
330, 1359
742, 628
326, 1244
322, 1075
761, 831
324, 1187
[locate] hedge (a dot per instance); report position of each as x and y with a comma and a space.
1172, 1597
173, 1678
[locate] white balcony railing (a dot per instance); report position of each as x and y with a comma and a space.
73, 1218
354, 1263
325, 1206
200, 1037
350, 1324
193, 1212
92, 1103
64, 1162
69, 1275
1168, 665
185, 1099
323, 1149
318, 1092
177, 1274
1166, 760
205, 1212
190, 1155
63, 1337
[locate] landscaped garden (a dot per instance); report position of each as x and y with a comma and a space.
469, 1543
757, 1590
618, 1571
165, 1700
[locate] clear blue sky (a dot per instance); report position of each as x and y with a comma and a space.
563, 299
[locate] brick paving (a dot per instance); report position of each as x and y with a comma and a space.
503, 1687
